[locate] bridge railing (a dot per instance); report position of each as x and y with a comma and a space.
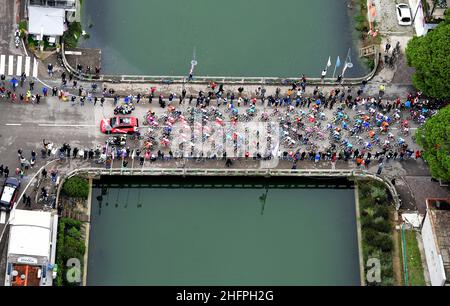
263, 81
239, 172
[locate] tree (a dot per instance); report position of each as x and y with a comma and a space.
76, 187
430, 55
433, 137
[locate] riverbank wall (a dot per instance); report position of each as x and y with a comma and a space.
351, 175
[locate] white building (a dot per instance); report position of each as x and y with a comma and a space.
436, 241
31, 248
46, 22
67, 5
419, 13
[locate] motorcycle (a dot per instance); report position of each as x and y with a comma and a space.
117, 140
17, 37
125, 109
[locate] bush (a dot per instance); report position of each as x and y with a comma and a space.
72, 35
76, 187
370, 62
23, 25
376, 227
383, 242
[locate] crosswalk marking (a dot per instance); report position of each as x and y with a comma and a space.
35, 68
22, 64
3, 217
10, 65
27, 65
2, 64
19, 66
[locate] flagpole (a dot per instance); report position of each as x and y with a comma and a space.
346, 64
338, 60
112, 162
132, 160
328, 64
334, 72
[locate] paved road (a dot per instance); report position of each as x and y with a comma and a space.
8, 15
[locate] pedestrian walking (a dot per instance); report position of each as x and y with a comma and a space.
50, 69
381, 90
387, 47
324, 73
380, 168
6, 171
28, 201
44, 173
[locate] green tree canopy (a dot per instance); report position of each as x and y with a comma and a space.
76, 187
433, 138
430, 55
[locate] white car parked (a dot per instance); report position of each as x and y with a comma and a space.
403, 14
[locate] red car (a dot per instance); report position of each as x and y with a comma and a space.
119, 125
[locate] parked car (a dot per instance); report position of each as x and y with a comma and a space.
403, 14
9, 193
119, 125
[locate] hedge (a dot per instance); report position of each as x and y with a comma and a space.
70, 245
376, 228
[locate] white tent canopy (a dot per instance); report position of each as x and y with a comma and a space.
45, 20
30, 233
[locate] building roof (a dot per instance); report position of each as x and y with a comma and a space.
46, 20
30, 233
440, 216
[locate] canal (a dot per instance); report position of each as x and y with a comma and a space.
222, 231
252, 38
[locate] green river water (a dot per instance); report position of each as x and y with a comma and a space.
264, 38
191, 233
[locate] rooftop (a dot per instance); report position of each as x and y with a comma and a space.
25, 275
30, 233
45, 20
439, 210
67, 4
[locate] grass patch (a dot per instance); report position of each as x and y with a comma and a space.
415, 268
